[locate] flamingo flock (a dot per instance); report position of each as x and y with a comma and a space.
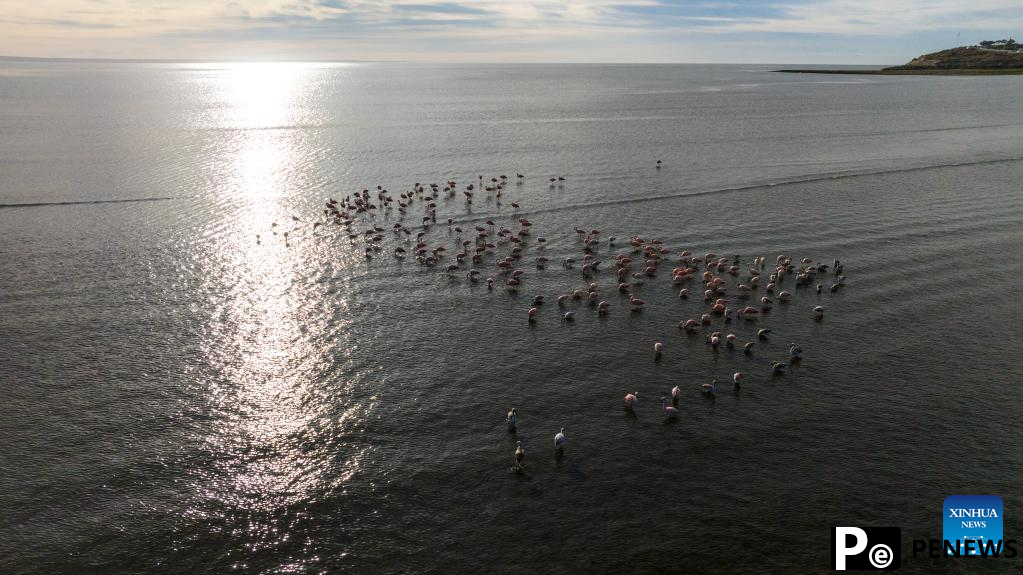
496, 252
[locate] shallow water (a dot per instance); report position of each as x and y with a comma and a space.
181, 398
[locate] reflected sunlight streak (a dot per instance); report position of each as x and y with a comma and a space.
275, 437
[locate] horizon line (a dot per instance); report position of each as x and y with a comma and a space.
71, 59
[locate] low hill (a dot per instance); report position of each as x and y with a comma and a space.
966, 58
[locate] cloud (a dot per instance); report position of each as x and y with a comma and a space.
442, 8
888, 17
561, 29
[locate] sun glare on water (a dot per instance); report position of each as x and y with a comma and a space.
266, 342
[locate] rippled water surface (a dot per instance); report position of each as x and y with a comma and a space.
178, 397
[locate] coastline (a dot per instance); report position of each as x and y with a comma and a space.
921, 72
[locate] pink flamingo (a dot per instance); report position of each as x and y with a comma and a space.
630, 400
669, 411
749, 313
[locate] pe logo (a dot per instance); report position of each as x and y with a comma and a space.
972, 522
855, 548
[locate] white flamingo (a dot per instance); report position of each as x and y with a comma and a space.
795, 352
559, 440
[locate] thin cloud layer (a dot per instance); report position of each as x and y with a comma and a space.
499, 30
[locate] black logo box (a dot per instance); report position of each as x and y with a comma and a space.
889, 536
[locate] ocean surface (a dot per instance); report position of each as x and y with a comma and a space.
178, 397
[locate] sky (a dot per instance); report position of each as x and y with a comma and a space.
741, 31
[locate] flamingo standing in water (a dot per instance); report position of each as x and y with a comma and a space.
749, 313
512, 419
818, 312
709, 388
675, 394
520, 454
736, 377
795, 352
658, 348
559, 440
669, 411
630, 400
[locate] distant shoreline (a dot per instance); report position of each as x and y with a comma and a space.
925, 72
962, 61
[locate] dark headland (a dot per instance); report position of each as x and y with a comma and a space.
981, 60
